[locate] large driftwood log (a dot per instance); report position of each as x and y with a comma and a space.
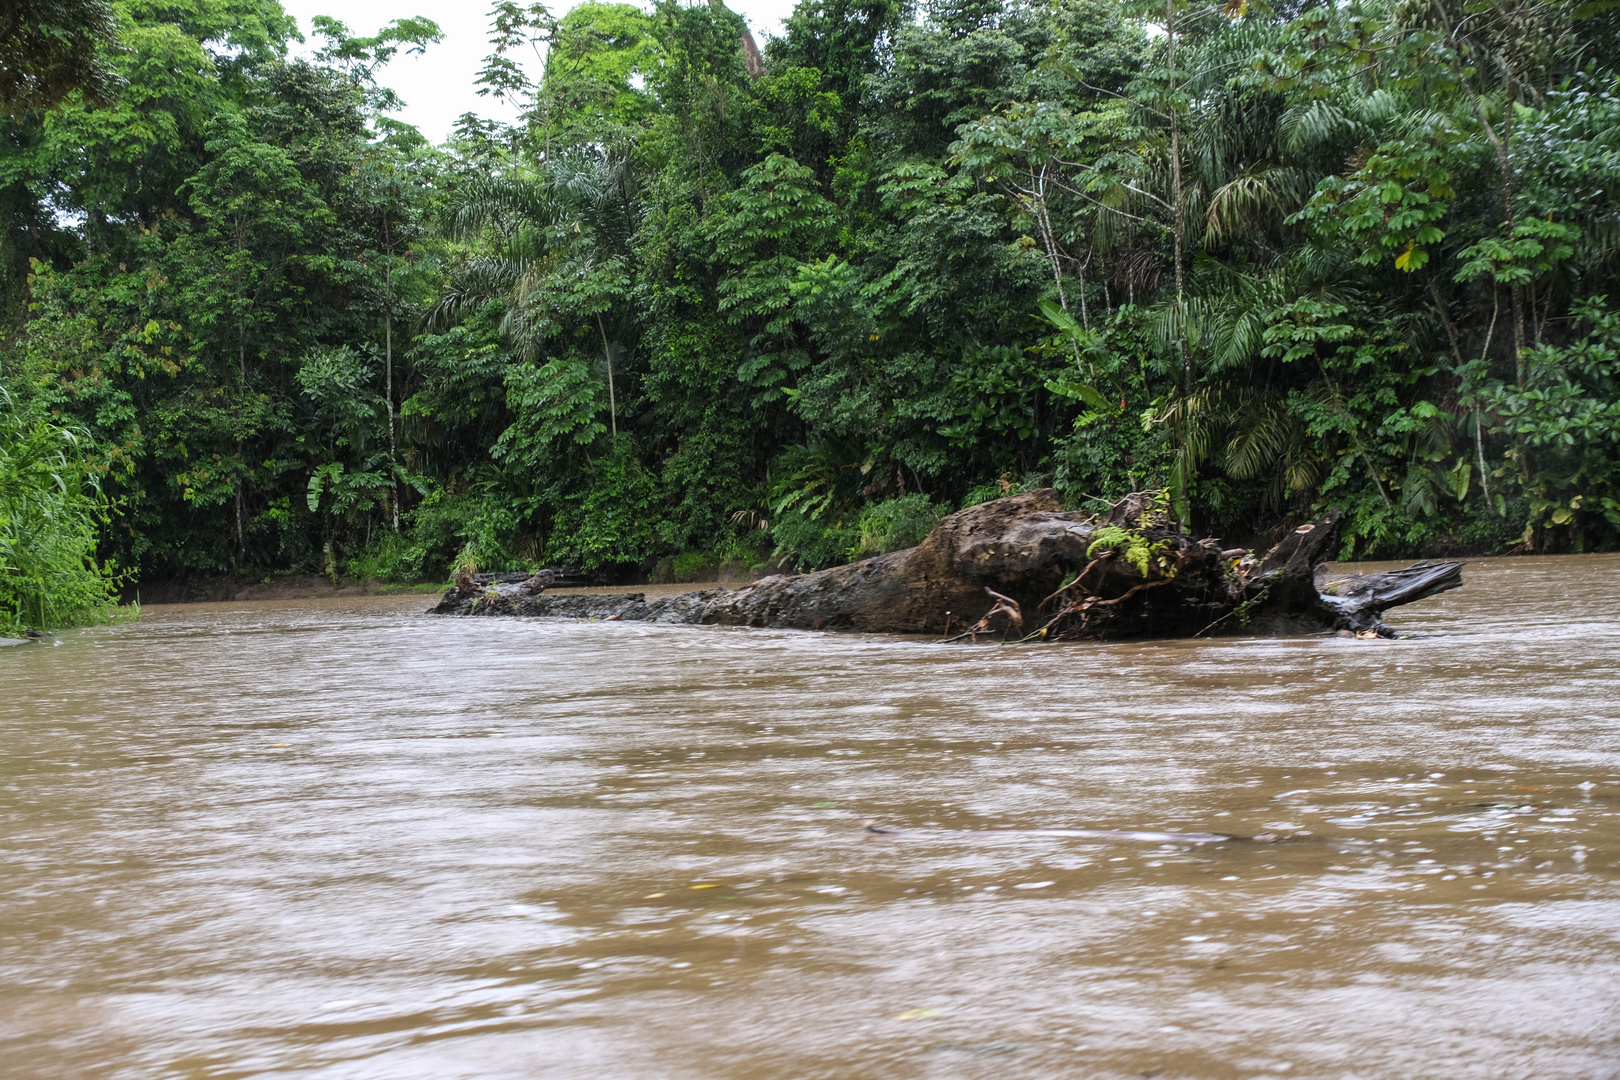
1022, 568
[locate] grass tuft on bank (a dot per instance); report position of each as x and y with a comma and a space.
50, 507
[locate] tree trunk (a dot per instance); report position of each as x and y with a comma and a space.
607, 354
241, 365
388, 367
1179, 214
1019, 568
1043, 223
1501, 145
1479, 434
1445, 319
752, 60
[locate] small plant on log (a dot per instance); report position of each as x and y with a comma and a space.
1134, 548
1127, 539
1133, 545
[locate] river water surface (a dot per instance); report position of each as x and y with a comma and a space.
342, 839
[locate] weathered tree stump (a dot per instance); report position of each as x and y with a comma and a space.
1022, 568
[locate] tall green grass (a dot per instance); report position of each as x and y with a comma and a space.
50, 506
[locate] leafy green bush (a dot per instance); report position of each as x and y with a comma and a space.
694, 566
807, 544
386, 558
1567, 414
446, 530
686, 567
1004, 486
895, 524
983, 493
49, 508
614, 520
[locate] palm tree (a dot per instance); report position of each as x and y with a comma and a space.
556, 247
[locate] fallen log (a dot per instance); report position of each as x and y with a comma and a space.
1021, 568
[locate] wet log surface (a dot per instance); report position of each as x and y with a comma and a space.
1022, 568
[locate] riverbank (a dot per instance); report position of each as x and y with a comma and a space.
314, 587
668, 577
222, 589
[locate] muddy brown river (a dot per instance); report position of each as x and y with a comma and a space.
343, 839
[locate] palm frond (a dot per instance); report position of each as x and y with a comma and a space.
503, 202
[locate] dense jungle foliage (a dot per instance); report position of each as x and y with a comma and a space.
710, 303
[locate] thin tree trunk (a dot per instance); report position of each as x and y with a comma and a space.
1052, 261
1500, 144
1080, 276
388, 366
1180, 218
1504, 164
1515, 290
1456, 353
1479, 435
241, 364
1445, 320
1049, 241
1184, 463
607, 353
1546, 313
1043, 222
241, 368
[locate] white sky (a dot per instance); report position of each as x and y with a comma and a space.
438, 86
